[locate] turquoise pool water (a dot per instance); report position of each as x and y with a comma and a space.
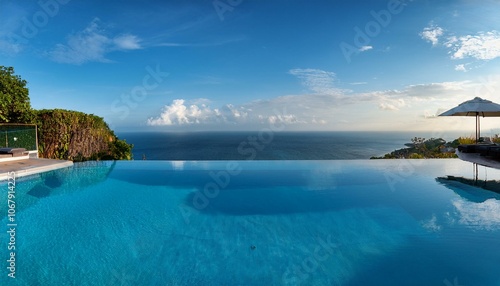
359, 222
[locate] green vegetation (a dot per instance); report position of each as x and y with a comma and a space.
465, 140
62, 134
420, 148
15, 104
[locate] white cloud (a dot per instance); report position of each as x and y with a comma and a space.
322, 106
431, 115
440, 89
460, 68
319, 121
365, 48
393, 100
127, 42
482, 46
92, 45
432, 34
388, 106
285, 118
179, 113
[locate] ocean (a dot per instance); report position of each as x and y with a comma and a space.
268, 145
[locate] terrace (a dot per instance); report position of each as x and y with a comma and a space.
19, 152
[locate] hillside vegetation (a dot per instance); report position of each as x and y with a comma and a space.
420, 148
62, 134
73, 135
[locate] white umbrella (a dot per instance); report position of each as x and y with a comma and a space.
476, 107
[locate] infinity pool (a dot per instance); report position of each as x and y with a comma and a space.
359, 222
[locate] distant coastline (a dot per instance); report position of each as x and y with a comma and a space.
422, 148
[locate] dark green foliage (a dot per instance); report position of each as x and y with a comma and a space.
15, 104
121, 150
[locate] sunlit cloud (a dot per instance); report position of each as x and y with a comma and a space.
127, 42
389, 106
432, 34
181, 113
286, 118
320, 105
92, 45
365, 48
460, 68
438, 90
482, 46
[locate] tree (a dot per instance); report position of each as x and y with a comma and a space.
15, 104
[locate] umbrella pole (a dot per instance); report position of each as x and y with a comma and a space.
477, 127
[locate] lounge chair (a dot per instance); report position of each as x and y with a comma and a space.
12, 152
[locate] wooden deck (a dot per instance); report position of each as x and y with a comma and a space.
25, 167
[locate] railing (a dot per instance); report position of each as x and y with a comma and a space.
19, 136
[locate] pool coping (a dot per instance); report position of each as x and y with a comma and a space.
30, 166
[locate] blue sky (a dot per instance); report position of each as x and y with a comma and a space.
240, 64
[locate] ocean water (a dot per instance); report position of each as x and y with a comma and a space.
269, 145
338, 222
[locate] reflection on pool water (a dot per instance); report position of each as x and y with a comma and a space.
378, 222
